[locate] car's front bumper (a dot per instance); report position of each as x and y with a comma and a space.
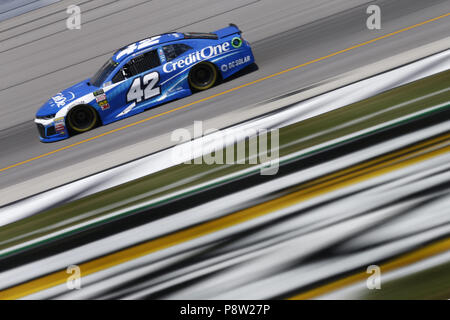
49, 131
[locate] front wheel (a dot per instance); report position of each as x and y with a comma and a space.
82, 118
202, 76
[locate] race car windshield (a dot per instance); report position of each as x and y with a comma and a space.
101, 75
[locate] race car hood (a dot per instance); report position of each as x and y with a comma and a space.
61, 99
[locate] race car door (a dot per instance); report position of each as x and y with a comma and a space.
145, 86
140, 84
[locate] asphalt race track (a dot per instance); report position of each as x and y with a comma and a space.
40, 57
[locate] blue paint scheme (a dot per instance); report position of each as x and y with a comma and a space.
225, 52
70, 94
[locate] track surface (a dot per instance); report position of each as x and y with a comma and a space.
40, 57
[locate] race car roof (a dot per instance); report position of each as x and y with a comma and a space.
135, 47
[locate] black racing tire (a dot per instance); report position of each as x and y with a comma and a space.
82, 118
203, 76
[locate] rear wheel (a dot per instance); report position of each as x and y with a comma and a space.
203, 76
82, 118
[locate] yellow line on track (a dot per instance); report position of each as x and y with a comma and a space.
417, 153
226, 91
402, 261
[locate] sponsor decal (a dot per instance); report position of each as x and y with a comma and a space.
236, 42
60, 100
235, 63
60, 125
100, 97
99, 92
104, 105
206, 53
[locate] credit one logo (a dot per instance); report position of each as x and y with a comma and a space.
205, 53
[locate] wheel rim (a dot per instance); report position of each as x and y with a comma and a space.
82, 119
203, 76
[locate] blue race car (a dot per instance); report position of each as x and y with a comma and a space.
143, 75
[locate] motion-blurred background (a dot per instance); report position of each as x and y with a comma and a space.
359, 207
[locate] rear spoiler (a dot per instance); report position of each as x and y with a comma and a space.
228, 31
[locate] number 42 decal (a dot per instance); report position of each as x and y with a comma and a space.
144, 88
